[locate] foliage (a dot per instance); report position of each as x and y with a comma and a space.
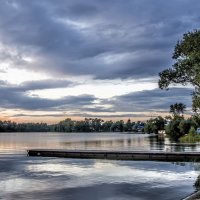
183, 129
138, 126
196, 120
154, 125
106, 126
191, 137
192, 131
66, 125
173, 129
128, 125
197, 183
177, 109
186, 68
69, 125
118, 126
8, 126
184, 126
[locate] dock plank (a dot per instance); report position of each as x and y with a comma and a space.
118, 155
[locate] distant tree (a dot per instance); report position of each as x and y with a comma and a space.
96, 124
129, 125
154, 125
8, 126
106, 126
66, 125
173, 129
192, 131
184, 126
137, 125
196, 120
177, 109
118, 126
148, 128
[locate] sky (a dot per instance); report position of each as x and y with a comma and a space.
90, 58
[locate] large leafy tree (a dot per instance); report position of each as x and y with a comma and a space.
186, 68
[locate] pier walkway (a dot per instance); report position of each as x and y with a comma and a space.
118, 155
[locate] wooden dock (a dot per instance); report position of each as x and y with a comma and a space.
118, 155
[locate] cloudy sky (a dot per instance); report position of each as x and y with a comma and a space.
90, 58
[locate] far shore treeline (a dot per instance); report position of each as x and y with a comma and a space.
69, 125
175, 125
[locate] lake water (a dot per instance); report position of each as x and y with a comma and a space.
26, 178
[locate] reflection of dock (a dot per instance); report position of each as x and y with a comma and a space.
118, 155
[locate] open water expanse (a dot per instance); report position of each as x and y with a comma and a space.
23, 177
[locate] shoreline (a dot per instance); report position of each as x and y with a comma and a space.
193, 196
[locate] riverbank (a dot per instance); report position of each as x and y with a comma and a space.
194, 196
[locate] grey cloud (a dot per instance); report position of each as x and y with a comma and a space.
2, 71
35, 115
139, 103
98, 109
109, 116
36, 85
81, 115
151, 100
3, 83
72, 38
46, 84
12, 98
82, 10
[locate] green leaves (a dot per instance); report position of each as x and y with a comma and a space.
154, 125
177, 109
186, 68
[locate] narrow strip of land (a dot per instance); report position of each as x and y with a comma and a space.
118, 155
195, 196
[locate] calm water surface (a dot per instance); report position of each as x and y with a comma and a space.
25, 177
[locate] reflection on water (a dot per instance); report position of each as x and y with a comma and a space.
20, 142
55, 178
136, 143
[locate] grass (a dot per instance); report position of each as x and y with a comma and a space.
190, 138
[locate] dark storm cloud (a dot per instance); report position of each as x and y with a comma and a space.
106, 39
151, 100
